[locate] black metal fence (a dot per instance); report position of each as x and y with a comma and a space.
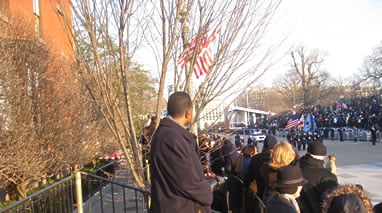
112, 196
100, 194
59, 197
250, 202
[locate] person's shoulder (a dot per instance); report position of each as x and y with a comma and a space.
278, 204
304, 160
328, 176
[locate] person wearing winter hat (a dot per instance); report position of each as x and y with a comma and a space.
253, 176
319, 178
347, 198
289, 184
269, 142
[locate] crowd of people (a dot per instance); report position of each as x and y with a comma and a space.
362, 113
184, 173
281, 180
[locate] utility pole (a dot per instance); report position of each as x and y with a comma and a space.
248, 120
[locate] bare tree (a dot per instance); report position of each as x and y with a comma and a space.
22, 61
307, 75
42, 117
240, 56
106, 37
114, 31
372, 67
289, 87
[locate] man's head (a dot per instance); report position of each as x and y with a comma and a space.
179, 107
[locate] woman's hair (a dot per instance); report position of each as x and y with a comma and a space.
346, 198
249, 150
283, 154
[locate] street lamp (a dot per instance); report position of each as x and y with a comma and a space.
248, 120
246, 90
170, 90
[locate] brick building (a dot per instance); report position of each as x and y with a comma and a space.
47, 17
32, 27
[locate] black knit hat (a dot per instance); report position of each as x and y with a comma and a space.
289, 178
269, 142
317, 148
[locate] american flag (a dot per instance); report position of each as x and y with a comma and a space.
295, 121
340, 106
187, 53
203, 59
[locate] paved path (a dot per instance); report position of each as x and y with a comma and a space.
358, 163
114, 198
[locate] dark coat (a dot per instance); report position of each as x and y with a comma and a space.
234, 185
270, 177
253, 172
319, 181
278, 204
177, 180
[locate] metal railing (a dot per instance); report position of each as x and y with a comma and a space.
112, 196
251, 197
347, 136
100, 194
250, 202
58, 197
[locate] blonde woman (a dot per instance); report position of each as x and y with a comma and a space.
283, 154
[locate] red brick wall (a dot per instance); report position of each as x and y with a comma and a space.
52, 27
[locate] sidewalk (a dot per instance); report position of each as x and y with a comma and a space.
106, 205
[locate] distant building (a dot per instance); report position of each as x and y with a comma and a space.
213, 113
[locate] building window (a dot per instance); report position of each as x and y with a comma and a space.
36, 7
4, 5
36, 12
4, 8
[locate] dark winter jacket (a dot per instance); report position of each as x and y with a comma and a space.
244, 166
253, 172
177, 180
233, 161
279, 204
270, 177
319, 181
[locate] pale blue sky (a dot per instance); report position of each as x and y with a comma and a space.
347, 29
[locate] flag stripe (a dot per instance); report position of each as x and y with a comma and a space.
295, 122
204, 58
